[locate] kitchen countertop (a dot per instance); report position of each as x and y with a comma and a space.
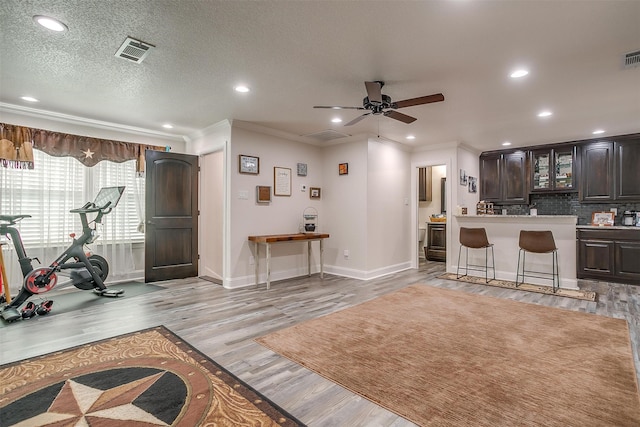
516, 216
609, 227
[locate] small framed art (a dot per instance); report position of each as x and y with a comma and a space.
302, 169
602, 218
314, 192
473, 184
263, 193
281, 181
248, 164
343, 169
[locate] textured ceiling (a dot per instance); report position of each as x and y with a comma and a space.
297, 54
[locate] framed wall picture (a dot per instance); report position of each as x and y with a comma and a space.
248, 164
263, 193
463, 177
343, 169
473, 184
281, 181
602, 218
314, 192
302, 169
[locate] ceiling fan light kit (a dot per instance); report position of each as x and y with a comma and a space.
380, 104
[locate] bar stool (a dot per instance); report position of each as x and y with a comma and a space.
476, 238
538, 242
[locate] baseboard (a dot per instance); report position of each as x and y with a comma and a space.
250, 280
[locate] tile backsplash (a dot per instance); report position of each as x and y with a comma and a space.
567, 204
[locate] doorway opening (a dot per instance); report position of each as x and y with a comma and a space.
432, 209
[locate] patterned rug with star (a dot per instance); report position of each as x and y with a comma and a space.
146, 378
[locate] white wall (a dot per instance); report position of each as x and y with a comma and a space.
212, 146
282, 215
468, 160
345, 205
211, 225
388, 208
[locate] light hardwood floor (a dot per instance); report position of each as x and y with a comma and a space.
222, 324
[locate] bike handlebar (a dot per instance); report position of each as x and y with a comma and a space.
90, 207
12, 219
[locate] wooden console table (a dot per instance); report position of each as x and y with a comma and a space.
278, 238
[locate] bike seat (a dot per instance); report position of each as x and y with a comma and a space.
12, 219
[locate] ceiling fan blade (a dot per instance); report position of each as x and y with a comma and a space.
418, 101
338, 107
399, 116
357, 119
374, 91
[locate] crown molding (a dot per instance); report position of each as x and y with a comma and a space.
99, 124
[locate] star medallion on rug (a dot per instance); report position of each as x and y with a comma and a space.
146, 378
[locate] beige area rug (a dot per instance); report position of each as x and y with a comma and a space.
448, 358
528, 287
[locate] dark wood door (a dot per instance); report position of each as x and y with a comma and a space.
628, 170
514, 178
597, 172
490, 177
171, 216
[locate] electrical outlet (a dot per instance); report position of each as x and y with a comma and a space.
614, 210
303, 188
346, 253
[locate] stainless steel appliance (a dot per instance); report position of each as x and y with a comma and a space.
629, 218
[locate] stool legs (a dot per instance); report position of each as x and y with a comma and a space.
555, 275
486, 263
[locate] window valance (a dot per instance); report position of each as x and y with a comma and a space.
16, 144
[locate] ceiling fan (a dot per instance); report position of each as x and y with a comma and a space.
378, 103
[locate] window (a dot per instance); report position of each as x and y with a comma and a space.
59, 184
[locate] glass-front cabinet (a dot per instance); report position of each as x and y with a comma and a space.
553, 169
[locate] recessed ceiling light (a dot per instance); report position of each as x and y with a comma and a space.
519, 73
50, 23
241, 88
167, 126
411, 137
506, 143
336, 120
29, 99
545, 113
598, 131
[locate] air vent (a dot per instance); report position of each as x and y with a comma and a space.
134, 50
631, 60
327, 135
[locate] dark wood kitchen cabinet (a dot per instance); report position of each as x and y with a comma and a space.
425, 185
490, 168
597, 176
627, 167
436, 249
503, 177
553, 169
609, 254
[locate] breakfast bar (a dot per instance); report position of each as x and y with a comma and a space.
267, 240
504, 231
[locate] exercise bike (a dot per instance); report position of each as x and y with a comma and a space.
87, 272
